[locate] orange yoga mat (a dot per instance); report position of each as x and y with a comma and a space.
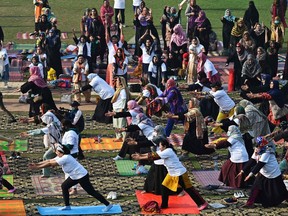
177, 205
12, 207
105, 144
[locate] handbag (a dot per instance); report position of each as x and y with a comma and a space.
66, 98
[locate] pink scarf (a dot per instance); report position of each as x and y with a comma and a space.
178, 36
36, 77
201, 61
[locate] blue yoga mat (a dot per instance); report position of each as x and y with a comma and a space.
79, 210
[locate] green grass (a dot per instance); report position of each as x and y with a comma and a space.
18, 15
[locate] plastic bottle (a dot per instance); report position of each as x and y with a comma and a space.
216, 165
135, 166
99, 138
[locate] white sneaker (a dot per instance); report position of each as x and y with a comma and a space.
109, 196
117, 158
107, 208
141, 170
114, 196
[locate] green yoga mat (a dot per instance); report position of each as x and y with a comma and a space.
19, 145
3, 192
125, 167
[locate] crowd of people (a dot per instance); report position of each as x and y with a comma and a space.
246, 128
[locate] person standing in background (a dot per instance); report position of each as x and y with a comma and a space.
136, 5
4, 65
1, 35
119, 8
39, 4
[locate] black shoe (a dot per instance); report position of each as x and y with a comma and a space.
12, 121
80, 157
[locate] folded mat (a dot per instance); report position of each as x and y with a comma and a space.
12, 207
51, 186
209, 178
4, 191
125, 167
105, 144
79, 210
19, 145
177, 205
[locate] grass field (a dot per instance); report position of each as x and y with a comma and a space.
18, 15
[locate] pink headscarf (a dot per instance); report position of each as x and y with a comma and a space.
36, 77
133, 105
171, 83
200, 19
201, 61
178, 36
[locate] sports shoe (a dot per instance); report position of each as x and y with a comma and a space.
202, 207
231, 200
109, 196
12, 190
65, 208
114, 196
239, 194
117, 158
107, 208
141, 170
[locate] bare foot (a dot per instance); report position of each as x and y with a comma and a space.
143, 192
118, 140
182, 193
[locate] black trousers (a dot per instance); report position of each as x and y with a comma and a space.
6, 184
122, 12
2, 107
193, 193
86, 185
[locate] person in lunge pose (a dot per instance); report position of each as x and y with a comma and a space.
77, 174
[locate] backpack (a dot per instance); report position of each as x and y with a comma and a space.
151, 207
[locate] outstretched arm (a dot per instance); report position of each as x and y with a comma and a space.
43, 164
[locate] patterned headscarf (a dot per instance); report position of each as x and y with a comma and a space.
228, 16
238, 31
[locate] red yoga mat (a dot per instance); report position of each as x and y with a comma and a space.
177, 205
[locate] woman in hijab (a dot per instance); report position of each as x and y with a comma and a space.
258, 34
191, 13
248, 43
251, 71
268, 188
53, 46
120, 64
228, 21
263, 60
196, 133
38, 91
203, 29
237, 160
264, 87
272, 48
157, 171
251, 16
205, 65
277, 31
194, 50
179, 42
173, 97
238, 56
278, 108
237, 32
259, 121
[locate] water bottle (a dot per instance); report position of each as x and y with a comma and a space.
99, 138
216, 165
135, 166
